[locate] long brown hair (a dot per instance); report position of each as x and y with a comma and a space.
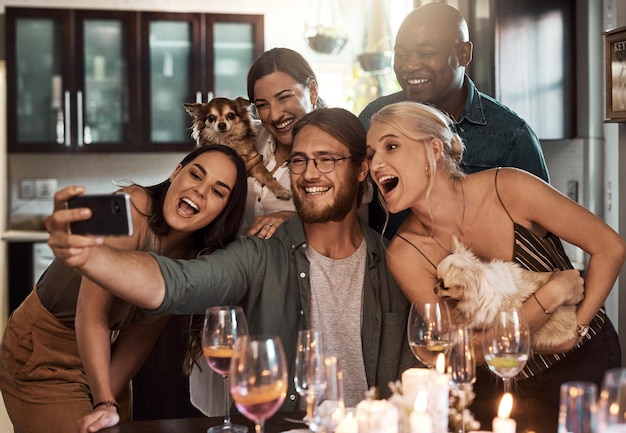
283, 60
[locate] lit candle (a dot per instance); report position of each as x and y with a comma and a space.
440, 399
502, 423
348, 425
437, 388
414, 379
440, 364
420, 421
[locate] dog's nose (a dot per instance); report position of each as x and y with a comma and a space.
221, 126
439, 286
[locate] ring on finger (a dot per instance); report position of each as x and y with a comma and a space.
270, 224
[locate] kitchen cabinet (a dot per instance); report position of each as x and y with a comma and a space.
191, 58
116, 81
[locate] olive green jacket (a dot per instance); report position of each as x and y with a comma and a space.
270, 279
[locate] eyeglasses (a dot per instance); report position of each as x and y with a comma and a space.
324, 163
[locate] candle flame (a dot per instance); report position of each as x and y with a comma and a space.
440, 366
420, 402
506, 404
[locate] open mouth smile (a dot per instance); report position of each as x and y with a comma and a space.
417, 81
188, 207
316, 190
284, 125
388, 183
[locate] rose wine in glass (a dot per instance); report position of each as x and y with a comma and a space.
429, 331
309, 378
258, 377
222, 325
506, 346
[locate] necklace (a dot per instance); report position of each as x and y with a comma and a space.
432, 233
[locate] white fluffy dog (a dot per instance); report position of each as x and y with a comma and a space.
483, 289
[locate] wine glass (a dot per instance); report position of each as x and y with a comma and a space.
612, 402
429, 331
222, 325
463, 368
506, 345
258, 377
329, 407
309, 377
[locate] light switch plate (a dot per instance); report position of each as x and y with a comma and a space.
45, 188
27, 188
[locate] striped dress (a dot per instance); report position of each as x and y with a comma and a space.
544, 254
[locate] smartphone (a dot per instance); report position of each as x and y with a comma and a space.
110, 215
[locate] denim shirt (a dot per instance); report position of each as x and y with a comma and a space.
494, 136
270, 279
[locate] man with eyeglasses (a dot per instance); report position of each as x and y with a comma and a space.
323, 269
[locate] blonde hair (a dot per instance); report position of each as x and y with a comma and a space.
429, 121
416, 120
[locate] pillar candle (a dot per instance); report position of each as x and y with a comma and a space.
420, 421
502, 423
437, 388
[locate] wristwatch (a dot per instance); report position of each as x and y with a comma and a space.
582, 330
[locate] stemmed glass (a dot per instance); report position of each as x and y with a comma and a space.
329, 407
222, 325
429, 331
506, 346
258, 377
309, 377
463, 368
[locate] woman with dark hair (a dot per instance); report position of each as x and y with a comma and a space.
70, 350
283, 88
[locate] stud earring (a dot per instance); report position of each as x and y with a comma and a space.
427, 170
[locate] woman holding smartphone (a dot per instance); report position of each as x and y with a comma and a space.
70, 350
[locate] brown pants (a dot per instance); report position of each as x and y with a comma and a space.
42, 379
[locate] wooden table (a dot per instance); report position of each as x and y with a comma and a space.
276, 424
531, 416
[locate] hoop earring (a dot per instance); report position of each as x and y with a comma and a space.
427, 170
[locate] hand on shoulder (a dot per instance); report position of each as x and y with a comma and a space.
264, 226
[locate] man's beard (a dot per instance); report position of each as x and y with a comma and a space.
342, 204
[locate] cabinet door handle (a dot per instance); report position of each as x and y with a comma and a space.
199, 97
209, 96
66, 131
79, 117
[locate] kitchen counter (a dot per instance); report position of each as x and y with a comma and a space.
24, 236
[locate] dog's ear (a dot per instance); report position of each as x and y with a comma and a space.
457, 246
193, 109
242, 102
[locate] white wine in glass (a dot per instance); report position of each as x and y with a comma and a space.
429, 331
258, 377
222, 325
506, 346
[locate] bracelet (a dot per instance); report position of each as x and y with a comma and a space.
545, 310
107, 403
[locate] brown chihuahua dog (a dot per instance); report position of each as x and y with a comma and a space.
229, 122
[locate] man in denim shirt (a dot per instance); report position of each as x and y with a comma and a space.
431, 52
323, 268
